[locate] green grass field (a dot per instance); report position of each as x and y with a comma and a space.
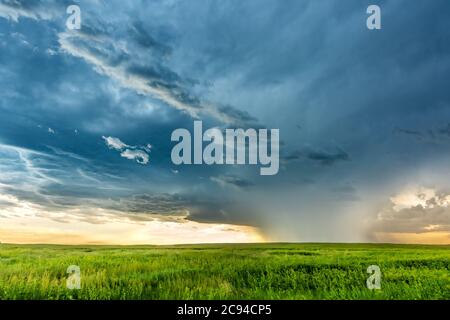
256, 271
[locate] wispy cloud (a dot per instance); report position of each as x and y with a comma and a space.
232, 181
141, 67
14, 9
324, 157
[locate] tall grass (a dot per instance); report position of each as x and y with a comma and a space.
263, 271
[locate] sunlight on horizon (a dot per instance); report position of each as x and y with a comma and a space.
27, 223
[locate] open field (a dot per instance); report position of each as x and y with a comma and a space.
241, 271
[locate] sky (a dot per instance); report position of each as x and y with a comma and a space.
87, 116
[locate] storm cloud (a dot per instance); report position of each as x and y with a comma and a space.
87, 114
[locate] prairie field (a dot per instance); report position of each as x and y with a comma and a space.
229, 271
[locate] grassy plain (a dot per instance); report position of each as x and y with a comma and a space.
237, 271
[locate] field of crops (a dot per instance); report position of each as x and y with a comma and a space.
253, 271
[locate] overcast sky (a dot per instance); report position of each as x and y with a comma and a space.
86, 119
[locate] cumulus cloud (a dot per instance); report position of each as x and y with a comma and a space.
137, 153
418, 210
115, 143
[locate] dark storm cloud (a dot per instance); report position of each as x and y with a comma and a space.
142, 68
416, 134
445, 130
323, 157
373, 106
439, 134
